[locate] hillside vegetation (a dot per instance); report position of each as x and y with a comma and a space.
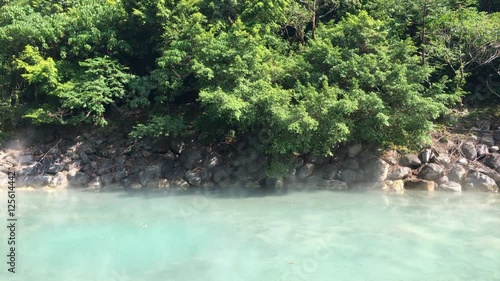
310, 74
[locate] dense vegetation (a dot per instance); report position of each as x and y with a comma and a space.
376, 71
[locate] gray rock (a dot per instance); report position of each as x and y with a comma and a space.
173, 173
451, 186
431, 171
351, 164
410, 160
375, 170
276, 184
177, 145
426, 155
488, 139
354, 150
350, 176
220, 175
193, 177
442, 180
399, 173
328, 172
320, 183
462, 161
131, 182
253, 167
442, 160
121, 175
482, 150
418, 184
213, 160
457, 173
108, 179
84, 157
180, 184
42, 180
29, 170
494, 149
59, 179
104, 166
26, 159
95, 183
492, 161
54, 168
79, 179
164, 184
469, 150
148, 178
480, 182
191, 158
305, 170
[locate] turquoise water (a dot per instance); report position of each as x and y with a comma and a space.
73, 235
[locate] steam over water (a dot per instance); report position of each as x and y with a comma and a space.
75, 236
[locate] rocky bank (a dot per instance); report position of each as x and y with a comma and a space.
103, 160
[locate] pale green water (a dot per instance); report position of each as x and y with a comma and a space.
73, 236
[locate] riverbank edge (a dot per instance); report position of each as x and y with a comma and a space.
107, 160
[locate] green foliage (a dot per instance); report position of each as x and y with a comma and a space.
158, 126
376, 71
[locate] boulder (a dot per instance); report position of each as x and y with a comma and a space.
212, 160
399, 173
104, 166
410, 160
191, 158
163, 184
351, 164
492, 161
494, 149
488, 139
193, 177
320, 183
451, 186
462, 161
375, 170
25, 159
431, 172
78, 179
107, 179
95, 183
327, 171
480, 182
276, 184
177, 146
54, 168
84, 157
469, 150
220, 175
131, 182
180, 184
397, 186
354, 150
305, 170
149, 176
426, 155
482, 150
351, 176
442, 160
418, 184
315, 159
457, 173
442, 180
